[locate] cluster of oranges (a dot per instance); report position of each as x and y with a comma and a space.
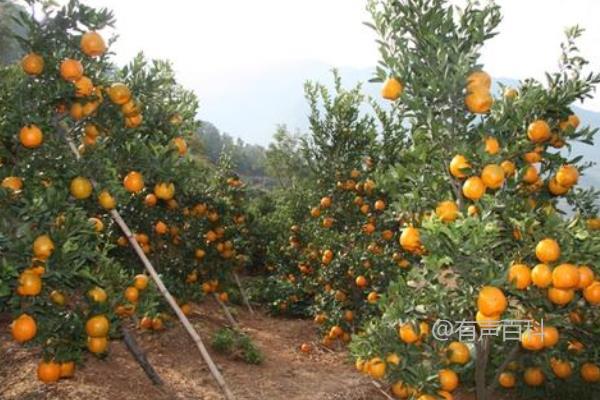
478, 99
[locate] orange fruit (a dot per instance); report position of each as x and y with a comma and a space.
533, 376
567, 176
448, 380
361, 281
472, 210
565, 276
43, 247
560, 296
58, 298
48, 371
487, 321
572, 121
541, 276
473, 188
547, 250
592, 293
492, 176
400, 390
555, 188
532, 157
133, 182
97, 326
392, 358
562, 369
32, 64
24, 328
12, 183
164, 190
457, 166
133, 121
315, 212
97, 294
380, 205
84, 87
92, 44
67, 369
372, 297
520, 276
458, 353
119, 93
31, 136
161, 228
377, 368
392, 89
531, 174
507, 380
586, 276
140, 281
492, 146
157, 324
186, 309
181, 145
410, 239
325, 202
510, 93
447, 211
106, 200
71, 70
479, 101
407, 333
97, 345
491, 301
81, 188
532, 339
479, 79
97, 223
550, 336
76, 111
590, 372
538, 131
130, 109
30, 284
132, 294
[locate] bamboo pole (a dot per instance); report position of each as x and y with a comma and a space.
230, 318
243, 293
162, 288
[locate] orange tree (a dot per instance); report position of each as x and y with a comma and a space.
339, 253
479, 186
62, 257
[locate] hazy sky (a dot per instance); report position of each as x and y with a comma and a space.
216, 43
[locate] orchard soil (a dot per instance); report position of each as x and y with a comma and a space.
285, 374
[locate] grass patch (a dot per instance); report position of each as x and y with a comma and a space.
238, 345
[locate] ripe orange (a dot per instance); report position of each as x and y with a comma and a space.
81, 188
479, 101
84, 87
181, 145
97, 223
410, 239
492, 176
487, 321
555, 188
12, 183
71, 70
161, 228
380, 205
538, 131
31, 136
92, 44
133, 121
132, 294
315, 212
58, 298
590, 372
32, 64
48, 371
140, 281
447, 211
400, 390
458, 353
565, 276
97, 326
479, 79
520, 276
361, 281
157, 324
550, 336
106, 200
492, 146
448, 379
532, 157
547, 250
458, 165
164, 190
473, 188
510, 93
392, 89
372, 297
119, 93
133, 182
533, 376
592, 293
560, 296
97, 345
472, 210
43, 247
325, 202
30, 284
97, 294
407, 333
130, 109
24, 328
377, 368
586, 276
572, 121
531, 175
541, 276
532, 339
507, 380
567, 176
67, 369
491, 301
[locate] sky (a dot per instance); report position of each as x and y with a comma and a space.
215, 45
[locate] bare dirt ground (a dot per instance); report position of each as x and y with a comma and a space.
286, 373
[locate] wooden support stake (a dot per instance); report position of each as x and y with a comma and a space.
230, 318
243, 292
140, 357
383, 392
162, 288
